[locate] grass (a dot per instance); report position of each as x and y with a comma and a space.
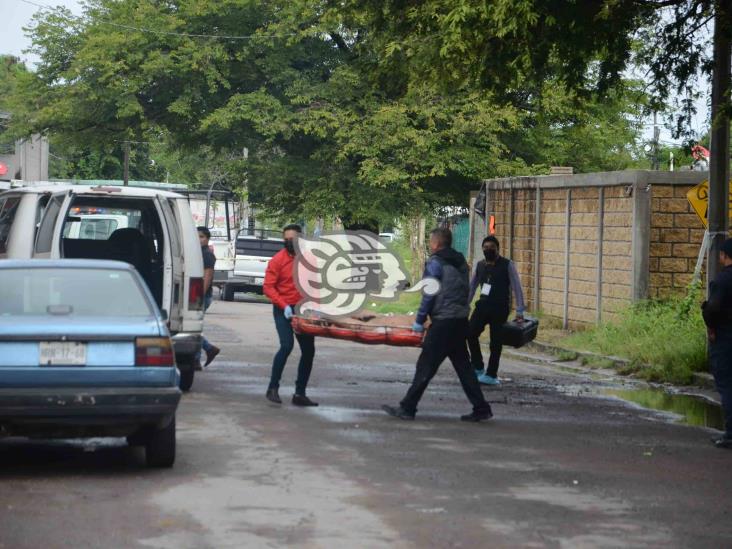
405, 304
566, 356
663, 340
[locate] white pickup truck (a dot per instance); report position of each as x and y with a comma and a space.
253, 250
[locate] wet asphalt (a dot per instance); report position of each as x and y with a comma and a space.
560, 465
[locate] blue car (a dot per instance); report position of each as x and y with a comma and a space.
85, 352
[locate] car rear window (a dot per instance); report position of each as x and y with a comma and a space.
78, 292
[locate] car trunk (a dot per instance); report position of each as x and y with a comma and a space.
80, 352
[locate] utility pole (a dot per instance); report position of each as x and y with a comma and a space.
656, 137
719, 161
126, 172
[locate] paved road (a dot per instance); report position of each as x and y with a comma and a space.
557, 467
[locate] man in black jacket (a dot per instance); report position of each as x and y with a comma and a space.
717, 312
448, 310
496, 277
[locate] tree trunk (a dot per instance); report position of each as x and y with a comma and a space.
416, 244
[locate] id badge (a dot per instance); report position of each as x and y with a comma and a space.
486, 289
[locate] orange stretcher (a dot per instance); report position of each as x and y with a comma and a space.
371, 330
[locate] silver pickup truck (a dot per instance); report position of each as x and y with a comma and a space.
253, 250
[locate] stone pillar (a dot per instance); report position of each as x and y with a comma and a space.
641, 242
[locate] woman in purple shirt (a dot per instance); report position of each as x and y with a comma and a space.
495, 277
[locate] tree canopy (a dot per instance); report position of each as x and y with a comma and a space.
364, 111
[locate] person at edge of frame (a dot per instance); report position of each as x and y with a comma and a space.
280, 288
209, 262
446, 337
717, 313
497, 277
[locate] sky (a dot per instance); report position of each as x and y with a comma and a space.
17, 14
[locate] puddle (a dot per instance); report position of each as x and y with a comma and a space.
693, 410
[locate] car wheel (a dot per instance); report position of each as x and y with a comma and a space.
186, 377
160, 446
229, 291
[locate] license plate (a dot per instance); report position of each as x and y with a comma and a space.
62, 353
258, 281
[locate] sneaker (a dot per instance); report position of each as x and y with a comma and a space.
478, 372
210, 355
302, 400
725, 441
397, 411
273, 396
485, 379
475, 417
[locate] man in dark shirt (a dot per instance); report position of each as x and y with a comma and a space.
717, 312
209, 262
496, 277
448, 310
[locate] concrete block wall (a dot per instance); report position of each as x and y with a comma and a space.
587, 245
676, 237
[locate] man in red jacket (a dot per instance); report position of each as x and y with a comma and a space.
279, 287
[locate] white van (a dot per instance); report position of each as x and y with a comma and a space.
20, 214
158, 238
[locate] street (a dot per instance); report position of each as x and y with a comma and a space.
558, 466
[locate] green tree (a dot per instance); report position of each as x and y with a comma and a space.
318, 109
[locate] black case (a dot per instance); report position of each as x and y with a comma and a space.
518, 334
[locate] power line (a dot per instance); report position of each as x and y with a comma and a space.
173, 33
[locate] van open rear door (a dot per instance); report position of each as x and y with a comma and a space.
174, 267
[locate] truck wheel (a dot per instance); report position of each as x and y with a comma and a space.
160, 446
229, 292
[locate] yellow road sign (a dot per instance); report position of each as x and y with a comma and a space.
698, 197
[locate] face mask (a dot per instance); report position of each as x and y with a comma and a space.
490, 254
290, 246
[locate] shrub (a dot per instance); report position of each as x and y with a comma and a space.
664, 339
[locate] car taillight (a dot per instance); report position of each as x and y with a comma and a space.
154, 351
195, 294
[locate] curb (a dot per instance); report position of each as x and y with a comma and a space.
699, 379
554, 350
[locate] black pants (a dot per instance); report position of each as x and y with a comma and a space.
720, 353
445, 339
483, 315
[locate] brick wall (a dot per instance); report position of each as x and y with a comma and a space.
551, 252
616, 257
676, 236
611, 271
516, 229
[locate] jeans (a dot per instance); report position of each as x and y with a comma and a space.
445, 339
287, 342
720, 354
205, 344
495, 318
